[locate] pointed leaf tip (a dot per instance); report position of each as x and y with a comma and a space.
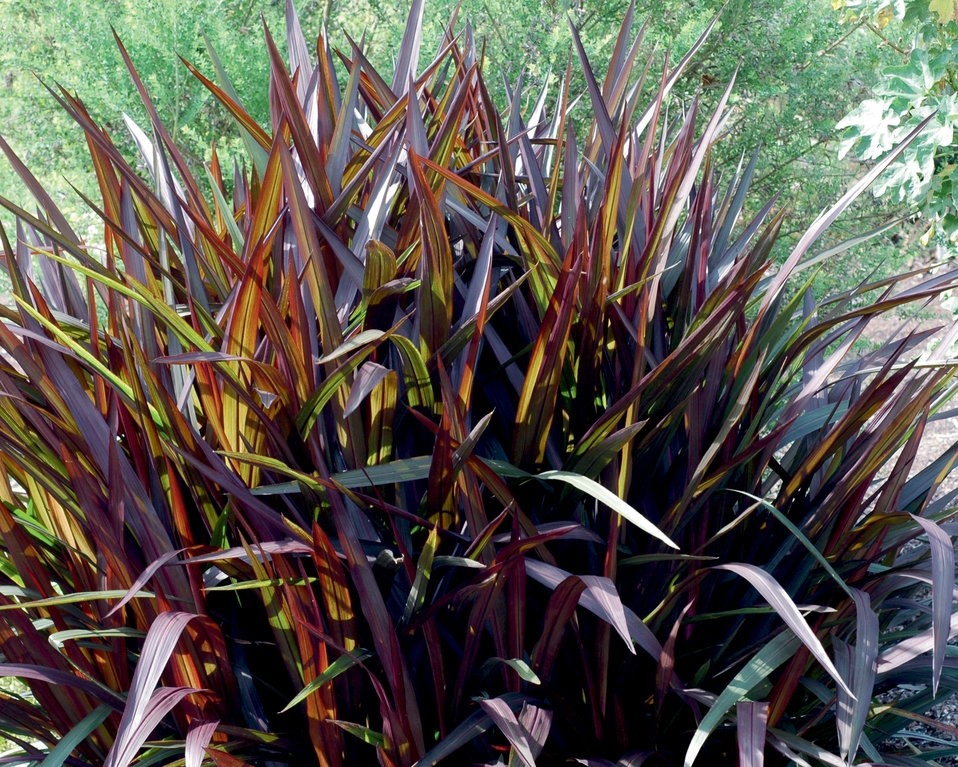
610, 499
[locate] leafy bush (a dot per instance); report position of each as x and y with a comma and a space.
435, 432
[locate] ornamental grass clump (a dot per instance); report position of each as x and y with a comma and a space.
436, 433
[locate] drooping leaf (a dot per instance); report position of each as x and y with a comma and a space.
788, 611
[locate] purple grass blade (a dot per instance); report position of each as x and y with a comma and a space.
130, 740
606, 128
60, 678
342, 134
142, 705
197, 739
852, 714
264, 549
909, 649
408, 55
298, 51
467, 730
503, 717
942, 574
750, 731
788, 611
368, 377
415, 127
674, 75
145, 576
600, 597
537, 722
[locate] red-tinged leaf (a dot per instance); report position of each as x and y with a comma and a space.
694, 349
623, 58
256, 139
562, 604
197, 740
403, 713
435, 266
440, 490
751, 725
450, 137
599, 597
600, 109
537, 250
788, 611
683, 183
505, 719
225, 759
665, 672
308, 153
540, 389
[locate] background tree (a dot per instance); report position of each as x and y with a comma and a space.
919, 81
799, 68
70, 43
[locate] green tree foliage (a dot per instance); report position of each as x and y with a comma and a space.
798, 70
793, 61
70, 43
919, 84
